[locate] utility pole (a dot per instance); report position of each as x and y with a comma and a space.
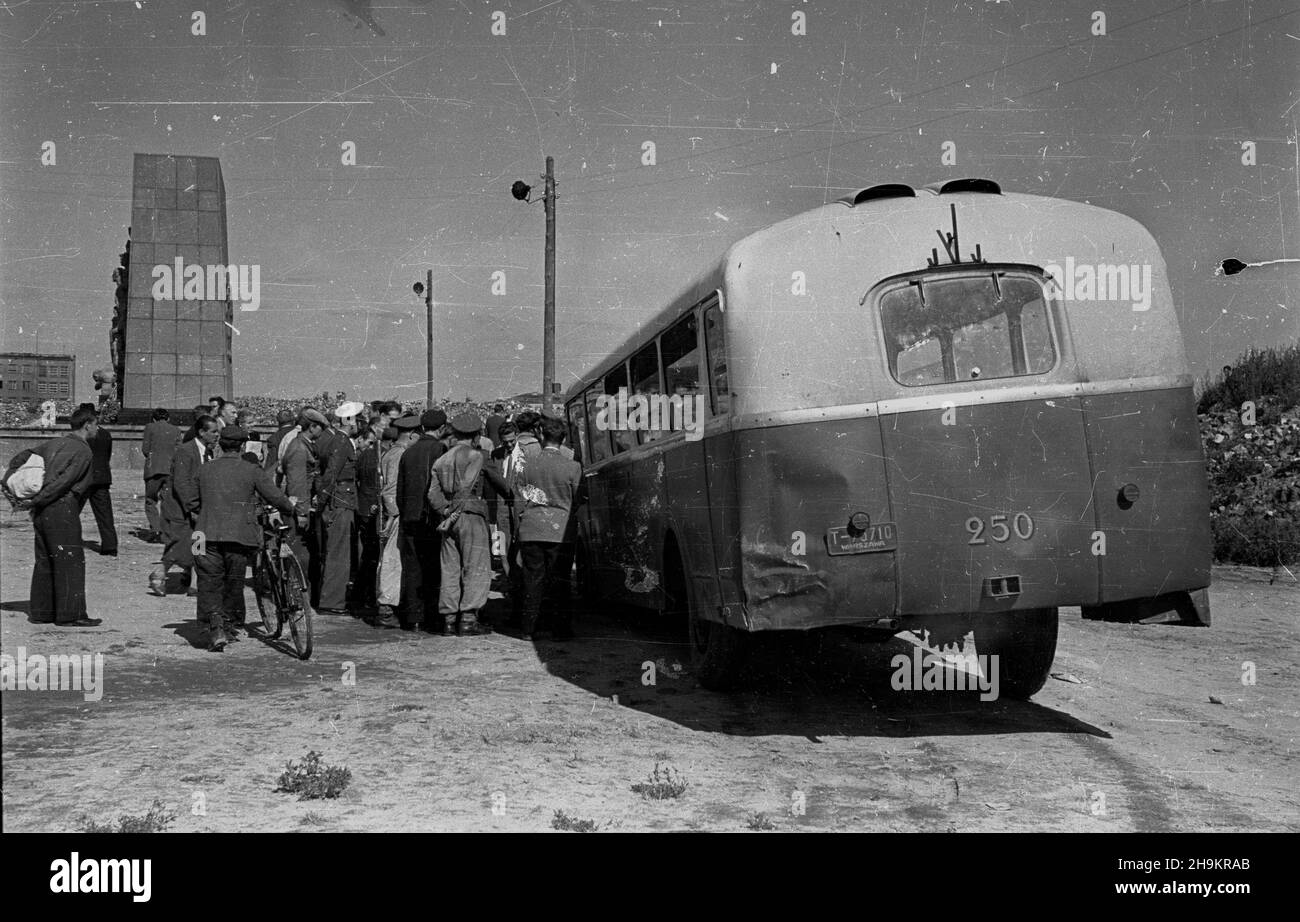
428, 358
548, 321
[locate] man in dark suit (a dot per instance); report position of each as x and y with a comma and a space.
231, 492
158, 447
101, 483
58, 591
494, 423
546, 490
337, 501
418, 539
181, 503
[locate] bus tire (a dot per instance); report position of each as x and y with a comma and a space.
719, 654
1025, 645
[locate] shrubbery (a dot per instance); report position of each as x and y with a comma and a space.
1254, 470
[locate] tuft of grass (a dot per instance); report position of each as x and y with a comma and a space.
312, 779
664, 783
312, 819
156, 819
565, 823
760, 822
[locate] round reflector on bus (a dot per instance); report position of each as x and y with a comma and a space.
859, 522
1128, 495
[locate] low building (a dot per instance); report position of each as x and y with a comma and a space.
33, 376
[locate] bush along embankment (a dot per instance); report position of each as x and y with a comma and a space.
1250, 426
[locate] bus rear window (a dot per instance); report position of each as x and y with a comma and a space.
964, 328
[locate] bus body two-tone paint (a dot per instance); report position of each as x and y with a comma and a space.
1070, 476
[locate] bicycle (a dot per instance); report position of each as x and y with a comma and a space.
280, 585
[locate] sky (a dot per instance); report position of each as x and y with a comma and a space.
1184, 115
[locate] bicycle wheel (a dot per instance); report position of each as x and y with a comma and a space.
264, 592
297, 598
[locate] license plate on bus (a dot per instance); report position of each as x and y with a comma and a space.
881, 537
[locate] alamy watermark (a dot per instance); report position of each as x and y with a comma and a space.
651, 413
179, 282
57, 672
1103, 282
927, 671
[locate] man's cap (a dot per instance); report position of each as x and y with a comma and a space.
406, 423
433, 419
467, 424
315, 416
285, 417
233, 433
390, 433
349, 409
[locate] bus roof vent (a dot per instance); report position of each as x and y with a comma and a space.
885, 190
986, 186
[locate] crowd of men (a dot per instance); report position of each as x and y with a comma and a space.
437, 499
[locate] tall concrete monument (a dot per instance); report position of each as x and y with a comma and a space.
176, 346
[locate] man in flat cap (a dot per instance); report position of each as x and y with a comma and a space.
231, 492
455, 494
420, 567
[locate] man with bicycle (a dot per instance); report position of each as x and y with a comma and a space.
231, 493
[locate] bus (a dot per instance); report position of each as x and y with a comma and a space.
947, 409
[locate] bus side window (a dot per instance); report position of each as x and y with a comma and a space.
599, 437
615, 381
578, 430
645, 380
680, 348
715, 343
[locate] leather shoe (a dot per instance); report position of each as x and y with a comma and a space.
388, 621
217, 643
83, 622
473, 630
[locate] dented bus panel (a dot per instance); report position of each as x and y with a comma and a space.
902, 435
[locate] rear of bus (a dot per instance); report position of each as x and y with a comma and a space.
960, 409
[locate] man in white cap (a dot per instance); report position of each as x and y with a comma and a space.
337, 502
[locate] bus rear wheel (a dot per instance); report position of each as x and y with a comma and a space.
720, 654
1025, 645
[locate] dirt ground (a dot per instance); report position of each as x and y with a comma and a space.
1142, 728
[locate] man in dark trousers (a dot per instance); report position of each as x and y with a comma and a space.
337, 501
58, 593
231, 492
158, 446
418, 539
181, 503
546, 491
101, 483
367, 518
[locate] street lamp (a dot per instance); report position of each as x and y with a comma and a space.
520, 190
426, 288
